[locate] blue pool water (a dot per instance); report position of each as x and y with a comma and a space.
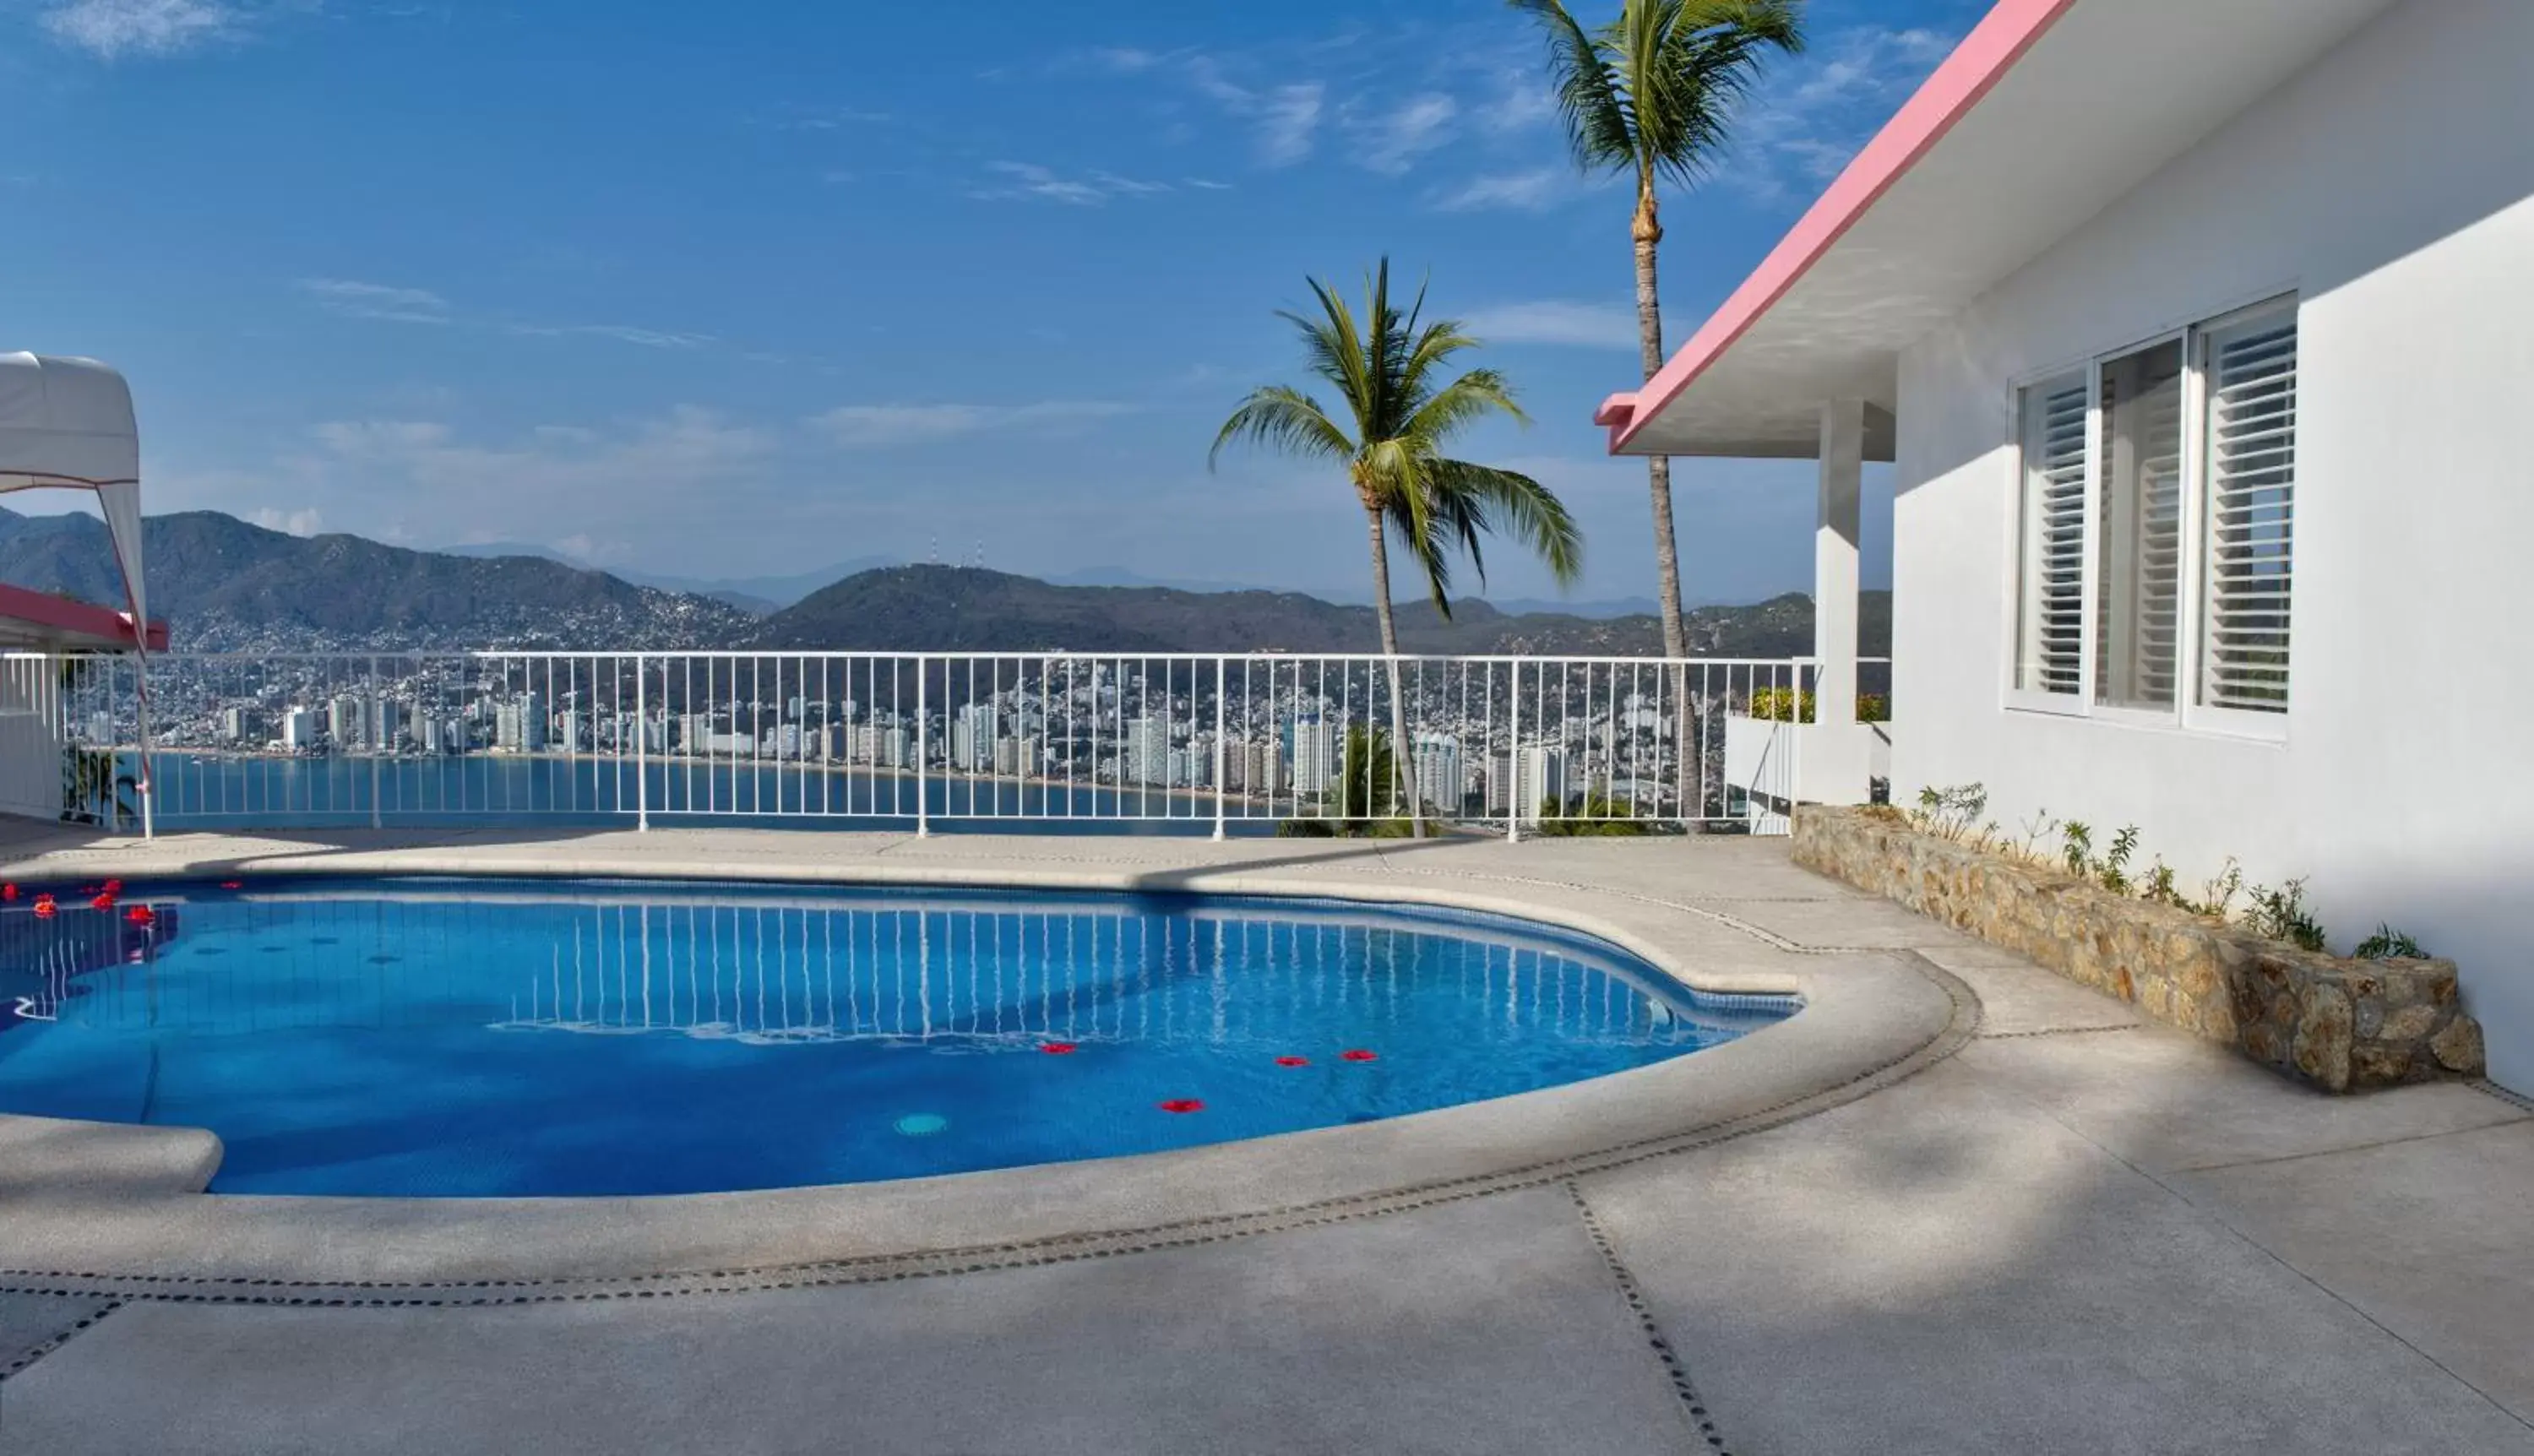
456, 1038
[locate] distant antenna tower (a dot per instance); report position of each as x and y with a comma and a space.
937, 548
981, 553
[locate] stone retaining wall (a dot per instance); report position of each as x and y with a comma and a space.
2341, 1025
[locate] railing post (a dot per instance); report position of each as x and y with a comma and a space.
1222, 751
372, 733
923, 750
1513, 753
641, 748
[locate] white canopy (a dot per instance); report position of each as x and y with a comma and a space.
67, 423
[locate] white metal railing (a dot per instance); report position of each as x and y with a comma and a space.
1230, 742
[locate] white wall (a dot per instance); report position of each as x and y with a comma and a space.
2390, 186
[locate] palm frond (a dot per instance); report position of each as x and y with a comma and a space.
1463, 403
1689, 65
1588, 97
1520, 505
1286, 419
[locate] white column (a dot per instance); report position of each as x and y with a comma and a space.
1834, 564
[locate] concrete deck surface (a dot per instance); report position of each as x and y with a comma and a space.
2077, 1234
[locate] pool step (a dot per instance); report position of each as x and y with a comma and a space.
52, 1156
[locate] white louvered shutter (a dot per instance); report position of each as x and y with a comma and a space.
2051, 610
2251, 511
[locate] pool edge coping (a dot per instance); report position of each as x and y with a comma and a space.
1868, 1017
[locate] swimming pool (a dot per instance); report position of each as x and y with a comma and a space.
474, 1038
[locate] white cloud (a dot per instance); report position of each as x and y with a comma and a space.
1528, 192
1205, 184
1557, 322
1124, 60
388, 303
306, 523
1021, 181
864, 426
113, 28
649, 339
547, 480
358, 300
1286, 119
1395, 138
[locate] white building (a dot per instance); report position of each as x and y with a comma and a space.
1543, 779
1315, 755
2202, 338
299, 730
1146, 753
1441, 782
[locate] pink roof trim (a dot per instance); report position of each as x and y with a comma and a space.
1974, 68
64, 615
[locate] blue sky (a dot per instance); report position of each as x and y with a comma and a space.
749, 288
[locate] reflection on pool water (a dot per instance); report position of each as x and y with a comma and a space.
443, 1038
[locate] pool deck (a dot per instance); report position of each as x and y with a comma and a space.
1978, 1209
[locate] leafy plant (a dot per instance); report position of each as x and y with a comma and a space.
2388, 944
2282, 915
1599, 817
1950, 813
2077, 848
2113, 872
2158, 887
1790, 706
2218, 899
1402, 412
1368, 806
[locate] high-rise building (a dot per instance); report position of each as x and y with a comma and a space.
1543, 778
299, 730
1315, 755
1440, 782
344, 722
1146, 754
386, 723
241, 725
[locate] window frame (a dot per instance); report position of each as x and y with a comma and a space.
2035, 699
2188, 714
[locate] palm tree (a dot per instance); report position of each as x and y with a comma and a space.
1400, 415
1653, 92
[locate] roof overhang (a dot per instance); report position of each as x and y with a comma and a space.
36, 621
2047, 112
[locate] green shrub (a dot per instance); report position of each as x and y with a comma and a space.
1600, 816
2388, 944
2282, 915
1786, 704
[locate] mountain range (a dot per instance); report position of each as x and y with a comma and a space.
224, 585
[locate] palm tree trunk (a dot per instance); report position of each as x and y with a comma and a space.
1647, 230
1401, 755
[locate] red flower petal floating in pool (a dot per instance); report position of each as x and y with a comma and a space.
1058, 1049
101, 902
140, 915
7, 891
45, 907
232, 884
1293, 1061
1182, 1105
1358, 1053
114, 886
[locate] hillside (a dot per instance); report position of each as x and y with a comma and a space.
936, 608
224, 585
